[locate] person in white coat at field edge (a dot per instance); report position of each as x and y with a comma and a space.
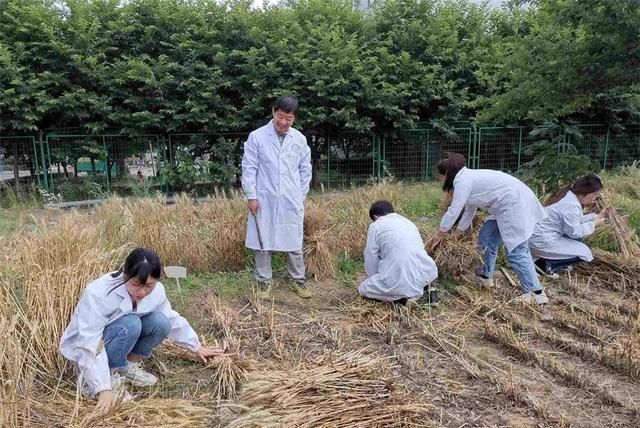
514, 212
398, 267
276, 173
120, 319
556, 241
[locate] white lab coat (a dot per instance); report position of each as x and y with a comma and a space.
508, 200
395, 260
556, 237
82, 339
278, 176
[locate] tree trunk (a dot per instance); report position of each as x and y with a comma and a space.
64, 168
93, 167
75, 167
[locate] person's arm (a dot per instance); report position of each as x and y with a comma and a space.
573, 225
250, 163
92, 362
305, 170
467, 217
461, 194
371, 253
182, 334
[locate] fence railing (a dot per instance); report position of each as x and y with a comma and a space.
77, 167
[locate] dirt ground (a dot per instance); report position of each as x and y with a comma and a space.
477, 359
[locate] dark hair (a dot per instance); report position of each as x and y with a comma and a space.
380, 208
287, 104
141, 264
583, 186
450, 167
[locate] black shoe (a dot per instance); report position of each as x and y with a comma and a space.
543, 267
434, 298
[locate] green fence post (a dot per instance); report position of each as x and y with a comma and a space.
107, 170
428, 167
519, 148
328, 162
45, 172
478, 139
35, 161
606, 150
383, 156
376, 156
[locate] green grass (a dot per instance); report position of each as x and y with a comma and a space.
348, 270
9, 221
225, 284
422, 200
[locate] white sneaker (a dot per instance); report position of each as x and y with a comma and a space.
541, 298
134, 374
118, 388
531, 298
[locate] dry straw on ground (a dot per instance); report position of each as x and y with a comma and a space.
349, 390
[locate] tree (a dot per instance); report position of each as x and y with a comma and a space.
571, 59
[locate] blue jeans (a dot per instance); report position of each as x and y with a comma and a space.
558, 265
489, 242
134, 334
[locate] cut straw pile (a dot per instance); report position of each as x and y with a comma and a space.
350, 390
337, 224
321, 260
455, 256
619, 268
627, 241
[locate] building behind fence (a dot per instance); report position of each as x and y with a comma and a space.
78, 167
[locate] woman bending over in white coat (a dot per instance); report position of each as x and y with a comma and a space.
514, 211
556, 241
120, 319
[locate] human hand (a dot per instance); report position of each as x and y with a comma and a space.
205, 352
105, 402
436, 241
252, 205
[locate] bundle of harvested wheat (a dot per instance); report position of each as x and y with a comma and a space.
321, 261
627, 241
617, 272
350, 390
455, 256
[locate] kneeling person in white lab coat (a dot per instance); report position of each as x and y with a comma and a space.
120, 319
398, 267
556, 241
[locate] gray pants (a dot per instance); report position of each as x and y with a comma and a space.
295, 266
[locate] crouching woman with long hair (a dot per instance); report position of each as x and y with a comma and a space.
120, 319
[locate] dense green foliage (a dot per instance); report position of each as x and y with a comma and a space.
155, 66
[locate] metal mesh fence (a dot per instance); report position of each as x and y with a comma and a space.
344, 159
81, 167
18, 160
204, 163
77, 167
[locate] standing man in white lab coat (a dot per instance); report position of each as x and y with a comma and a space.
398, 267
276, 173
514, 212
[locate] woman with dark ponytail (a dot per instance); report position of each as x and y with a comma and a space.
514, 211
556, 241
120, 319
